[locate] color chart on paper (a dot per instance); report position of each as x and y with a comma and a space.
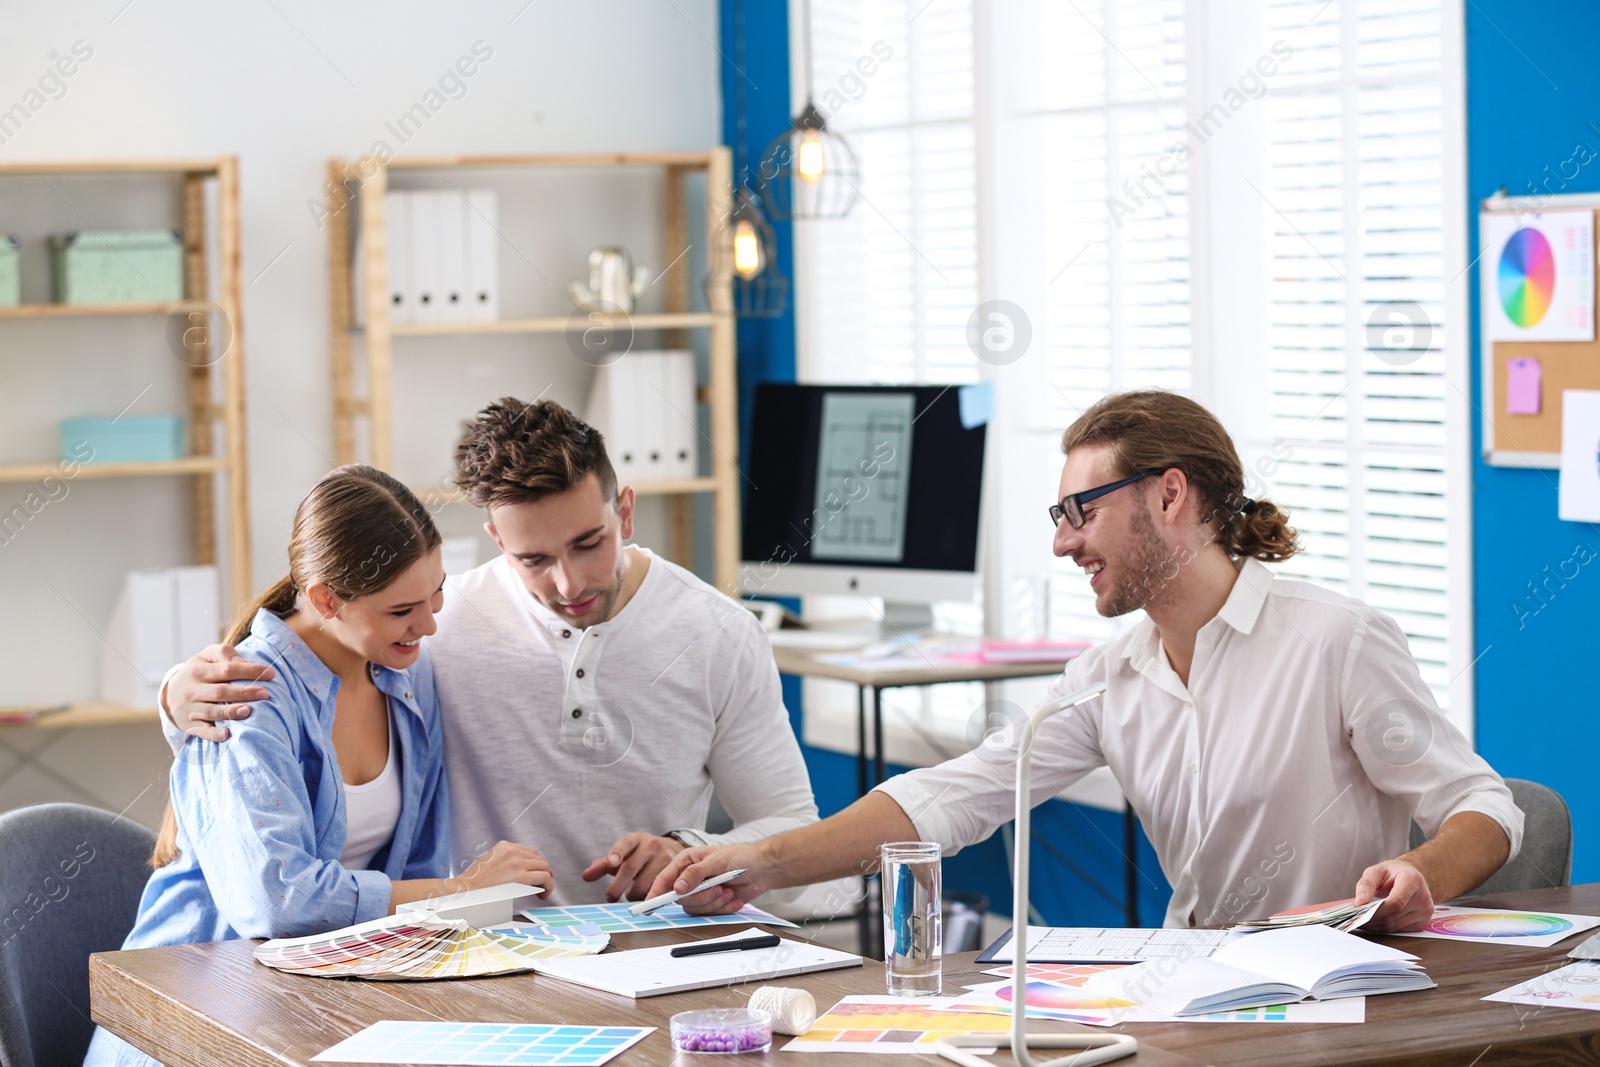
1527, 928
1537, 275
516, 1044
1051, 994
893, 1026
615, 919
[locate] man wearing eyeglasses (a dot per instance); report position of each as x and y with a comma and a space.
1276, 739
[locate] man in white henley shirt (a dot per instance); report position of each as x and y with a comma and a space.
1275, 739
593, 694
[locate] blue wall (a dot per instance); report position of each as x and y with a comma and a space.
1076, 841
1533, 98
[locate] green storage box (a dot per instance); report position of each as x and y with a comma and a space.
116, 267
147, 439
10, 271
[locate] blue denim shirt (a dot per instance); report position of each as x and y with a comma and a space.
261, 816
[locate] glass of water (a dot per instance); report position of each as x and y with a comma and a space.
909, 872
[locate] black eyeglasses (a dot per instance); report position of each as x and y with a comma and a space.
1071, 507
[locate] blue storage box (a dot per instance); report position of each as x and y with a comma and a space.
150, 439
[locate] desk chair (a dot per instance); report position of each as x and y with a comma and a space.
1546, 857
69, 886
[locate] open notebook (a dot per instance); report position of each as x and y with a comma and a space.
1272, 967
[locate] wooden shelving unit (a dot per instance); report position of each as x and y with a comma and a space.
212, 404
373, 412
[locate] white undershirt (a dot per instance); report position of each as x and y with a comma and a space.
372, 810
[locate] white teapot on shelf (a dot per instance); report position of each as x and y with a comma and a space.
614, 282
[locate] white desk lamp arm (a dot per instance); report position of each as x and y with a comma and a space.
1098, 1048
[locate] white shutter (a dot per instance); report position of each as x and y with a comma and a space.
1109, 107
890, 286
1353, 186
1354, 174
895, 281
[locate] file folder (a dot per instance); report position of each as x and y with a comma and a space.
483, 255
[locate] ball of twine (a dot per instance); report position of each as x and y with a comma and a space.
793, 1011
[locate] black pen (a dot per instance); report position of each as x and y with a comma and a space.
700, 948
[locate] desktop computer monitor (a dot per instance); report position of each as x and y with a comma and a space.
865, 489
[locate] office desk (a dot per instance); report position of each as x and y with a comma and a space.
811, 663
200, 1005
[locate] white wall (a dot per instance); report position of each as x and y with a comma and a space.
285, 85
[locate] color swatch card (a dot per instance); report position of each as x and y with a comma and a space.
1530, 929
1537, 274
1577, 985
894, 1026
405, 947
615, 918
516, 1044
1339, 914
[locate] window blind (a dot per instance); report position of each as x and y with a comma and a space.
1356, 294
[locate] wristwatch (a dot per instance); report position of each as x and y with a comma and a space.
687, 837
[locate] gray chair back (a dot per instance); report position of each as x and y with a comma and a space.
1546, 857
70, 883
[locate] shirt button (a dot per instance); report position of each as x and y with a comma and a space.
580, 672
566, 633
408, 696
577, 713
1193, 768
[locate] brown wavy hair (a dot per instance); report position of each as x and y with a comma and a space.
356, 531
518, 453
1152, 429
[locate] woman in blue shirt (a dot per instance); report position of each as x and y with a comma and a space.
328, 806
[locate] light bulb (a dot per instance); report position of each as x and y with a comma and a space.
810, 156
748, 258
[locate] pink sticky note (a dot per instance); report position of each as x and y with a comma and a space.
1523, 380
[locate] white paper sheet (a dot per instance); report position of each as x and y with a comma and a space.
1580, 455
1577, 985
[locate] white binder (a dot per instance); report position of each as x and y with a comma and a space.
483, 255
612, 412
450, 216
161, 617
682, 436
644, 404
402, 292
425, 255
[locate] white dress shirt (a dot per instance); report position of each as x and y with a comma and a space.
565, 739
1299, 753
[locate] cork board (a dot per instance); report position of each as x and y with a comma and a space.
1535, 440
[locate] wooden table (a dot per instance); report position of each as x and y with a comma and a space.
202, 1005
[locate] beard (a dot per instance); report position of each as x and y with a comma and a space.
1142, 572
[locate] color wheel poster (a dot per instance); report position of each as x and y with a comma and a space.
1527, 928
1538, 276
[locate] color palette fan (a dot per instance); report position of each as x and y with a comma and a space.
407, 948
